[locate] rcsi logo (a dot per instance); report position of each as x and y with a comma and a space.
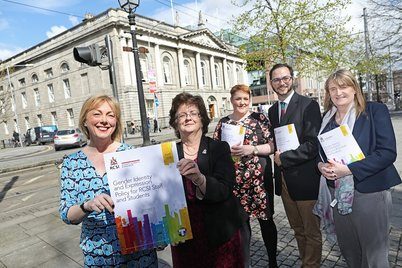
113, 163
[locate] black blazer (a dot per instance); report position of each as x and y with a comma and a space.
299, 166
223, 213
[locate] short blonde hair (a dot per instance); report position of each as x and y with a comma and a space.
243, 88
343, 77
93, 103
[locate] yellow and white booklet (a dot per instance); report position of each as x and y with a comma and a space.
286, 138
232, 134
340, 145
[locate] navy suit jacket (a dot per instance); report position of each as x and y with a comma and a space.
299, 166
375, 135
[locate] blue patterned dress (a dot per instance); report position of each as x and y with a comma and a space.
79, 182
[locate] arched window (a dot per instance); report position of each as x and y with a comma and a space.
238, 75
167, 70
64, 67
34, 78
217, 75
187, 72
203, 73
144, 67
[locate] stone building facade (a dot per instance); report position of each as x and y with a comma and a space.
50, 86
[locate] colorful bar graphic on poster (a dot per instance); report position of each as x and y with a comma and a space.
340, 145
147, 190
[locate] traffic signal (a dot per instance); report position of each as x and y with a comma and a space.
90, 55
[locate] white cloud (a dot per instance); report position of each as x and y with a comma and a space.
7, 52
55, 30
74, 20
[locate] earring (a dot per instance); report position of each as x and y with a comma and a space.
85, 125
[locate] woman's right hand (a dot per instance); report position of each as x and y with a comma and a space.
99, 203
326, 170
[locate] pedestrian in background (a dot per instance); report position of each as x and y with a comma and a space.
254, 184
85, 193
296, 176
362, 219
208, 177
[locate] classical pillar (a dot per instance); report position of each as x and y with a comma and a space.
225, 74
234, 73
212, 71
158, 65
198, 69
181, 67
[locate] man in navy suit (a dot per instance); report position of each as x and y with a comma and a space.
295, 172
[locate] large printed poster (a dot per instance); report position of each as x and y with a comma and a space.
147, 190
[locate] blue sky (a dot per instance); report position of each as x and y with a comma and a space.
22, 27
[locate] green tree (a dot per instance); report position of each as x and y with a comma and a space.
308, 34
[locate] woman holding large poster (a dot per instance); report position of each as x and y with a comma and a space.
85, 193
360, 189
208, 177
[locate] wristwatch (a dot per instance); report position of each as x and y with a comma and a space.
83, 209
255, 151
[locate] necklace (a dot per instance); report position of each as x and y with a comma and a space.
186, 151
189, 153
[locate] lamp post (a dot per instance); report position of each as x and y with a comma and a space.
13, 97
130, 6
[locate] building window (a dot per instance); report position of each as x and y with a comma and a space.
167, 70
64, 67
54, 118
22, 82
36, 97
24, 100
67, 89
50, 92
238, 74
70, 117
203, 73
27, 125
39, 120
34, 78
217, 75
49, 73
1, 88
144, 68
5, 128
187, 72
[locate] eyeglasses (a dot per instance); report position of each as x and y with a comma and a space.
183, 116
285, 79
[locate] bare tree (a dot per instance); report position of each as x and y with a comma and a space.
385, 21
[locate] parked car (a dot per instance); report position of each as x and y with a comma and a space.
69, 138
40, 135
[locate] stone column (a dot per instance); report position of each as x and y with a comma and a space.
181, 67
212, 71
198, 69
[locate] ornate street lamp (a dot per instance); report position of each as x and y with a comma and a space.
130, 6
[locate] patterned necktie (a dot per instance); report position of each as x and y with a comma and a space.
283, 109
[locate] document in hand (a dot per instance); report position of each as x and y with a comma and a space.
286, 138
232, 134
340, 145
147, 191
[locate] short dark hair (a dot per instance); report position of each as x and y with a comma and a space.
280, 65
189, 99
